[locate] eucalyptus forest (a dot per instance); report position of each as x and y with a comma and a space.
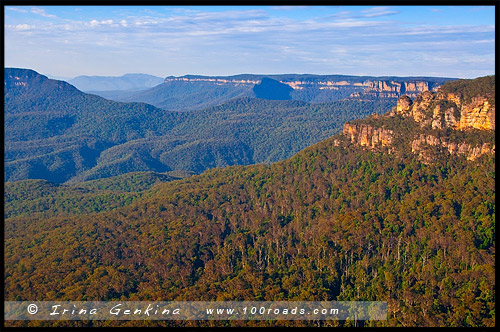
254, 199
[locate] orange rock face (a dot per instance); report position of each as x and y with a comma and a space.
435, 111
368, 136
478, 113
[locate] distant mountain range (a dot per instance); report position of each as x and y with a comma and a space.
54, 131
127, 82
192, 92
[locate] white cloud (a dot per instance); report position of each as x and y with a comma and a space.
103, 23
16, 9
23, 26
93, 23
378, 11
343, 14
289, 8
19, 27
354, 24
42, 12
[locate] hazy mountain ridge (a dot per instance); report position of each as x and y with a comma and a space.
189, 92
55, 132
129, 82
365, 86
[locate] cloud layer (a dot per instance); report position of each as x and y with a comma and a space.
372, 41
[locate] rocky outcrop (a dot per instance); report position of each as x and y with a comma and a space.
17, 82
420, 107
444, 117
440, 110
322, 85
435, 113
392, 89
368, 136
403, 104
418, 146
479, 114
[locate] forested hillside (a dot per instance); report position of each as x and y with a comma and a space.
374, 213
182, 97
43, 199
55, 132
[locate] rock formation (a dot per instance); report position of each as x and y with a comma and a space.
442, 110
392, 89
369, 136
435, 114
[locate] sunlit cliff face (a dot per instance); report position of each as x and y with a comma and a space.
448, 111
433, 111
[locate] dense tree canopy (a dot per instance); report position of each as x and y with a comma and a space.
336, 222
332, 223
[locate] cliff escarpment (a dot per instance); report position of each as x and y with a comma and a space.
368, 86
331, 87
448, 110
368, 136
393, 89
458, 119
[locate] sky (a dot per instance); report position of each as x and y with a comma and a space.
68, 41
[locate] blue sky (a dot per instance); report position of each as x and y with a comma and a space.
67, 41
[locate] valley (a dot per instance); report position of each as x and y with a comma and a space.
392, 208
58, 133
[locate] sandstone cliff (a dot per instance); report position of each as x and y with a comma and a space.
470, 151
392, 89
368, 136
431, 116
369, 88
448, 110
